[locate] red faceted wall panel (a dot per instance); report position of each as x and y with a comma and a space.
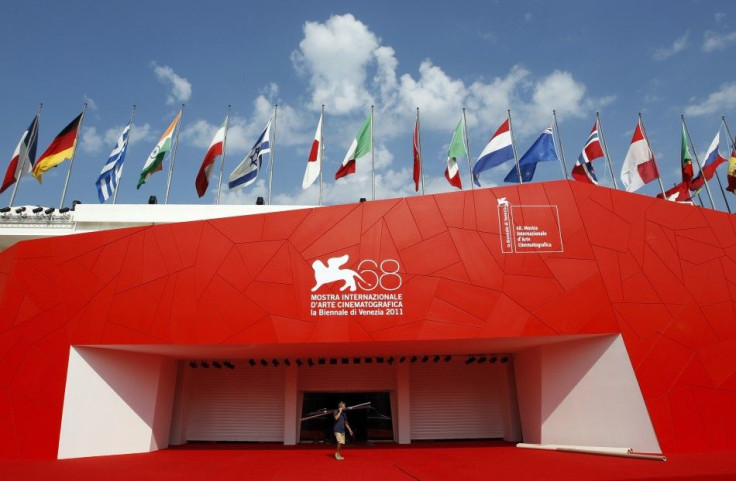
661, 274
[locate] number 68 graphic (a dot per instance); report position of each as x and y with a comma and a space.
386, 275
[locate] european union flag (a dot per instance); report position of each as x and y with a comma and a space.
542, 150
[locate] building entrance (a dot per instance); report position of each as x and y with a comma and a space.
372, 424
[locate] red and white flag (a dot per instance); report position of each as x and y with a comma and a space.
24, 156
417, 156
202, 181
314, 163
639, 167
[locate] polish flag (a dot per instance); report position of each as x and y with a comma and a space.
314, 163
216, 147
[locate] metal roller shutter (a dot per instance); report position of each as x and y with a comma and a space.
456, 401
244, 404
348, 377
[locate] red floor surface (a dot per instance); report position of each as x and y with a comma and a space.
431, 461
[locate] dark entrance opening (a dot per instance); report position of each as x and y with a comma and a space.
373, 424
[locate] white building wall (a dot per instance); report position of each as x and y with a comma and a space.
115, 403
583, 392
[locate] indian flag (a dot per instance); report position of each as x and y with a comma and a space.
155, 160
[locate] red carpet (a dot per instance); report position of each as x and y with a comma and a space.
430, 461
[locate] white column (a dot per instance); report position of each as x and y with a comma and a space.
291, 410
402, 416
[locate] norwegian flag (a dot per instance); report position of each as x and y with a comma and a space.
583, 170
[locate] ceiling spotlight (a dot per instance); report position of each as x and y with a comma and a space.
20, 210
216, 364
448, 358
252, 362
482, 359
49, 211
37, 210
204, 364
4, 210
425, 358
402, 359
193, 365
504, 359
436, 359
264, 363
493, 359
63, 210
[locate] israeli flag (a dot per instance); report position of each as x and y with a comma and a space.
109, 178
247, 171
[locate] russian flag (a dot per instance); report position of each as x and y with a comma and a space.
713, 159
498, 150
583, 169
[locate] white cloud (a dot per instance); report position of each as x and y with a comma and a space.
349, 69
719, 16
718, 101
91, 142
139, 133
677, 46
713, 41
528, 17
181, 89
335, 56
91, 104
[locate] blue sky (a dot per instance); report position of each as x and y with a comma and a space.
661, 58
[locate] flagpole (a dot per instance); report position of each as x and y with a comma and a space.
71, 161
222, 160
272, 142
421, 158
373, 159
605, 149
321, 150
130, 130
467, 149
513, 147
649, 146
563, 163
695, 154
173, 156
25, 157
733, 148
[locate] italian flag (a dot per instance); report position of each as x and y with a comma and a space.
155, 160
457, 149
216, 148
360, 146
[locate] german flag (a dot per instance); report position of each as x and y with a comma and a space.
60, 149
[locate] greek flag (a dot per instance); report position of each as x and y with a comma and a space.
247, 171
108, 180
